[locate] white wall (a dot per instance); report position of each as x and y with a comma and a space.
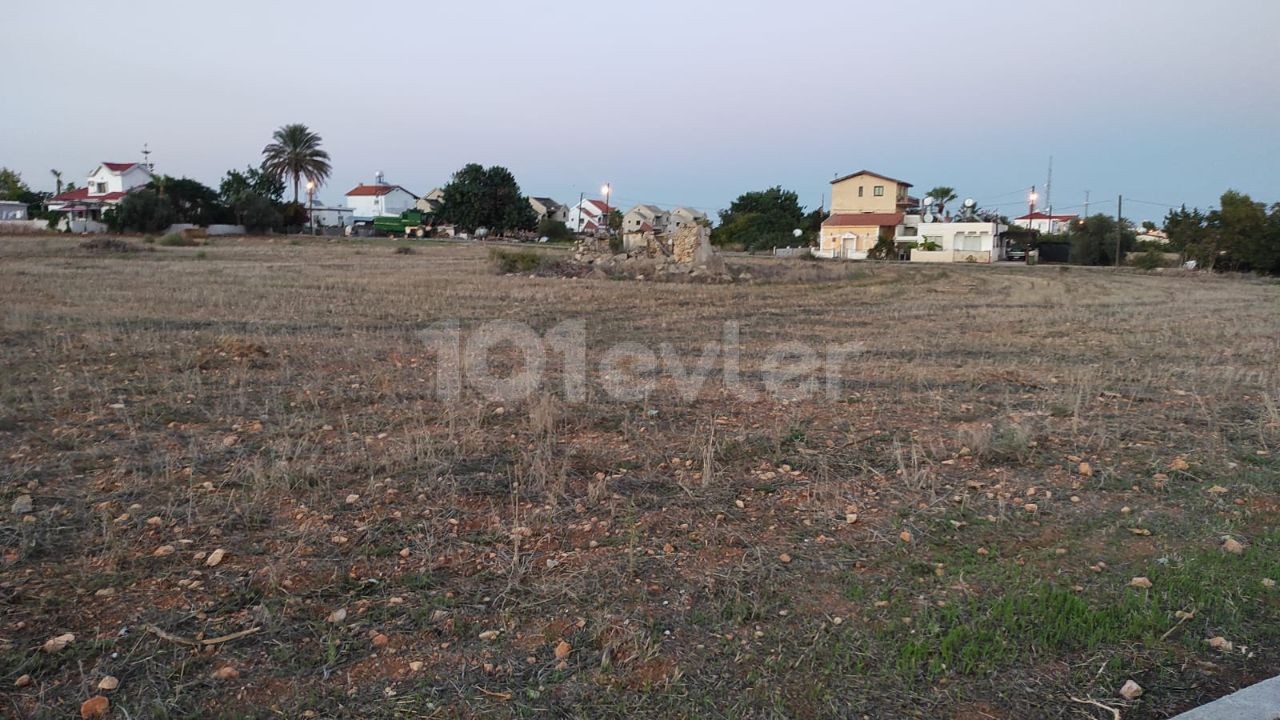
391, 204
13, 211
977, 237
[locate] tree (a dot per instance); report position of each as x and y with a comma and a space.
11, 185
142, 211
761, 220
616, 219
295, 153
244, 192
553, 230
1244, 235
941, 196
193, 202
479, 197
1093, 240
258, 214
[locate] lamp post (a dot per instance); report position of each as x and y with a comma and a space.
607, 190
311, 204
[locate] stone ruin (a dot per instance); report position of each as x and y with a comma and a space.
686, 254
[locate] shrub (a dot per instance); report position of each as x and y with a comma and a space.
519, 261
143, 211
176, 240
114, 245
1149, 260
404, 250
258, 214
553, 230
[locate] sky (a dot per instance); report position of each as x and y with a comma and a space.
674, 103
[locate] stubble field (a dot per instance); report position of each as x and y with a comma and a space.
229, 473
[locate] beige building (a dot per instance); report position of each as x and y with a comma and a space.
683, 217
864, 206
544, 207
645, 218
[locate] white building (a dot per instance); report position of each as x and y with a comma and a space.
105, 187
974, 241
545, 207
1046, 224
12, 210
332, 216
587, 217
683, 217
367, 202
645, 218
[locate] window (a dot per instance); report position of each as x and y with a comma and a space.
878, 191
101, 188
860, 188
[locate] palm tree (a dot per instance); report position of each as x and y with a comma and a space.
941, 196
295, 153
57, 179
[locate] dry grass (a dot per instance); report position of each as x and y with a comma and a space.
236, 396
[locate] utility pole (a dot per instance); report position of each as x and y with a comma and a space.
1086, 204
1119, 226
1048, 194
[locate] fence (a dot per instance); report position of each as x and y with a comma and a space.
790, 252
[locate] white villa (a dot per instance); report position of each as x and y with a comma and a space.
105, 188
367, 202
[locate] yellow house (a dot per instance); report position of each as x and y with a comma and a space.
864, 205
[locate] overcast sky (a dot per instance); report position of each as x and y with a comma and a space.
690, 102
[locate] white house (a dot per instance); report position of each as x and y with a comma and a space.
544, 207
587, 217
379, 200
683, 217
106, 187
964, 241
332, 216
1045, 223
645, 218
12, 210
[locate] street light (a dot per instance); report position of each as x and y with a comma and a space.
311, 204
607, 190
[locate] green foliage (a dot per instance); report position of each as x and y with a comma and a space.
885, 248
554, 230
236, 186
11, 185
193, 202
1240, 235
293, 216
479, 197
294, 153
762, 220
518, 261
1149, 260
258, 214
1093, 240
176, 240
942, 195
142, 211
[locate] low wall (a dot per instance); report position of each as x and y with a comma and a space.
215, 230
22, 227
951, 256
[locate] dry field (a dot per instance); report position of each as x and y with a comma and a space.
247, 498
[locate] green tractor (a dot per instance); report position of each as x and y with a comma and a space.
410, 223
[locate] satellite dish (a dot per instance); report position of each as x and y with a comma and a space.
969, 203
928, 217
797, 232
930, 201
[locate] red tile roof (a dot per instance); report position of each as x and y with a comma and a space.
82, 194
118, 167
374, 190
599, 205
863, 220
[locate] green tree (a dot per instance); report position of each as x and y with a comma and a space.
553, 230
1093, 240
142, 211
11, 185
1244, 235
258, 214
942, 195
616, 219
236, 185
294, 153
761, 219
479, 197
192, 201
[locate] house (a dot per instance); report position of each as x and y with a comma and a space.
587, 217
332, 216
12, 210
431, 202
1046, 224
962, 241
105, 187
683, 217
1154, 237
379, 200
645, 218
545, 207
864, 206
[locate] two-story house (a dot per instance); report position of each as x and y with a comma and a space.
588, 217
105, 187
1046, 224
379, 200
544, 207
645, 218
683, 217
864, 206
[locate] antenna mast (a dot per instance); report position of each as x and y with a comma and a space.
146, 156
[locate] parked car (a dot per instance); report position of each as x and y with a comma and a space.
1016, 253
